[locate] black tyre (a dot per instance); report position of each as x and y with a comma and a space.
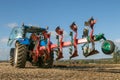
108, 47
49, 62
11, 61
46, 64
12, 50
20, 55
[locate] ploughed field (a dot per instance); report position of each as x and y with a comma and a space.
61, 72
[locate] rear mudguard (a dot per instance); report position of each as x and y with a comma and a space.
24, 41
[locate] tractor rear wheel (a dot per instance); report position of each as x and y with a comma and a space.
12, 50
46, 64
49, 62
108, 47
20, 55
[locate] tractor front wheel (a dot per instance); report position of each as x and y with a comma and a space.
12, 50
20, 55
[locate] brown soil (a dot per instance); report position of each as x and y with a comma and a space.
61, 72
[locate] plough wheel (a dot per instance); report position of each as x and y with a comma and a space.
46, 63
12, 56
108, 47
20, 55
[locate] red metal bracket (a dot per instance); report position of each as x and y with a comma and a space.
48, 47
60, 46
74, 28
91, 23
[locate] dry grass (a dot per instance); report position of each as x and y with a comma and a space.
83, 72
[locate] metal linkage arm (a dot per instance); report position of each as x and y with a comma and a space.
74, 28
48, 47
64, 44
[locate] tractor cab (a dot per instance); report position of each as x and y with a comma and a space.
25, 33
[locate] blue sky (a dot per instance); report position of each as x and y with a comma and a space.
62, 13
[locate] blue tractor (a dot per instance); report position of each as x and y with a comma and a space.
26, 39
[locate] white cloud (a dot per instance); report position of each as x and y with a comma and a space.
12, 25
3, 41
4, 53
4, 50
117, 41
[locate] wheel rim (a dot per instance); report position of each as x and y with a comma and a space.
106, 47
16, 55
